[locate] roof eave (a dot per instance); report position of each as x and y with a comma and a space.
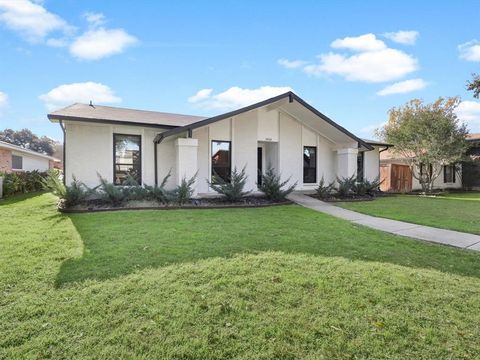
53, 117
290, 95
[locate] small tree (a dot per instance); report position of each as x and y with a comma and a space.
233, 189
427, 136
474, 85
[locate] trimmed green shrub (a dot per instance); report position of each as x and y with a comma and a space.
158, 193
184, 191
272, 186
346, 186
232, 190
110, 193
325, 191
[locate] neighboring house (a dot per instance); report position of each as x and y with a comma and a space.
396, 175
15, 158
471, 169
283, 132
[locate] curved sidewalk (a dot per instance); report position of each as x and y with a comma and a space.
414, 231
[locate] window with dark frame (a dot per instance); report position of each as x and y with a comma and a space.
449, 174
360, 166
127, 158
221, 160
17, 162
309, 164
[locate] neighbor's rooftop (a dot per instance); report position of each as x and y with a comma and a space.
109, 114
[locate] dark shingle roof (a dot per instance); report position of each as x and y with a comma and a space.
108, 114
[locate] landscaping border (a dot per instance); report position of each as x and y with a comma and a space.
175, 207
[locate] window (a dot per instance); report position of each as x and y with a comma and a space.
127, 158
221, 160
360, 166
309, 164
449, 174
17, 162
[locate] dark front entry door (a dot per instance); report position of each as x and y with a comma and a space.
259, 165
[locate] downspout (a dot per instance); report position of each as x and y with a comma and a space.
64, 151
155, 162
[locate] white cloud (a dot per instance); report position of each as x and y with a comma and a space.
403, 87
373, 62
94, 19
369, 130
200, 95
68, 94
367, 42
403, 37
291, 64
31, 20
470, 51
235, 97
3, 99
100, 43
469, 112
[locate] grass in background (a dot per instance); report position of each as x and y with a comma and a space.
454, 211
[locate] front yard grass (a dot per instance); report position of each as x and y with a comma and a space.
454, 211
281, 282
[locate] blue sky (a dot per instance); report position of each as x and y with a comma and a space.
351, 60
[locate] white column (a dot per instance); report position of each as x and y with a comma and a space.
186, 159
346, 162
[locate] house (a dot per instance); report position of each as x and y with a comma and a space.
396, 175
471, 169
16, 158
283, 132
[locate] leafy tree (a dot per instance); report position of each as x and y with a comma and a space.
427, 136
474, 85
28, 140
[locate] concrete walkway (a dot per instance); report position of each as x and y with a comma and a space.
419, 232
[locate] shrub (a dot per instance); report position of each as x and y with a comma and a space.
158, 193
373, 186
272, 186
360, 188
111, 193
184, 191
232, 190
325, 191
346, 186
53, 184
23, 182
75, 193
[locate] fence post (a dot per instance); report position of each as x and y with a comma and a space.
1, 187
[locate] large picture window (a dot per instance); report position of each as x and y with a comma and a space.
127, 158
309, 164
449, 174
221, 160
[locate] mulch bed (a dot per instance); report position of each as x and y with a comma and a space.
202, 203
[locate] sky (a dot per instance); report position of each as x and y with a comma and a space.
352, 60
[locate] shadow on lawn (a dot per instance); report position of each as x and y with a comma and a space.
19, 197
120, 243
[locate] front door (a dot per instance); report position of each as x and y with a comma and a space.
259, 165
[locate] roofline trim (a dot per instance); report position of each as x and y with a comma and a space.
291, 97
107, 121
14, 147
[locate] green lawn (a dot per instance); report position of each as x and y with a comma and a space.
282, 282
454, 211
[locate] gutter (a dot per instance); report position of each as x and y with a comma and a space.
64, 151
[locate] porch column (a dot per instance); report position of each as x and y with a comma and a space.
186, 160
346, 162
